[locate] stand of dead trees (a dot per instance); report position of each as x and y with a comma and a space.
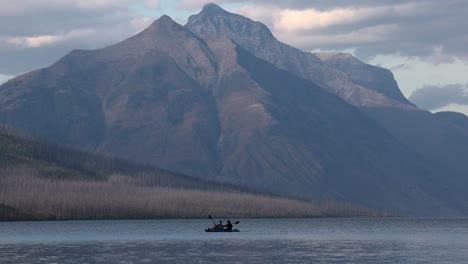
42, 181
123, 197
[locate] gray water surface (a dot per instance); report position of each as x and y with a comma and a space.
381, 240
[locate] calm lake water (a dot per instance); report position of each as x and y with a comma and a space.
390, 240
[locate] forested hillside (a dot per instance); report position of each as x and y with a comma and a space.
41, 181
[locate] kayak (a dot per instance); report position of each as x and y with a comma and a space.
221, 230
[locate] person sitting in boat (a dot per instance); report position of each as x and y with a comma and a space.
218, 226
228, 226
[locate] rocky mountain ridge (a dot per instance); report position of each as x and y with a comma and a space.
256, 38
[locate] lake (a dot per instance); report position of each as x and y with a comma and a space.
380, 240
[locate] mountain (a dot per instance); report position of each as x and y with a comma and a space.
131, 100
221, 99
344, 78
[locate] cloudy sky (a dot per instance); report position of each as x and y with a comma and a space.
424, 42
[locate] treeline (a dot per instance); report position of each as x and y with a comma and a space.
121, 197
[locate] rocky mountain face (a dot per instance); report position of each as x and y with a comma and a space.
370, 77
357, 89
220, 98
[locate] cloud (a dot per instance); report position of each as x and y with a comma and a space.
152, 4
310, 19
196, 4
436, 31
412, 73
434, 97
363, 36
327, 4
38, 41
35, 33
294, 4
31, 6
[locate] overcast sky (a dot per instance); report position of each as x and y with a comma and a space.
423, 42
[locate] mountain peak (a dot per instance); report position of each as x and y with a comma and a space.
213, 9
162, 24
161, 34
163, 20
215, 20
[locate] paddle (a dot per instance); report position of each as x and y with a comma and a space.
212, 219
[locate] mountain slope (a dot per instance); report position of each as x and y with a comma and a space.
456, 119
438, 141
24, 153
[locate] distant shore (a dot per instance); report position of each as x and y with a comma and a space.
10, 214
